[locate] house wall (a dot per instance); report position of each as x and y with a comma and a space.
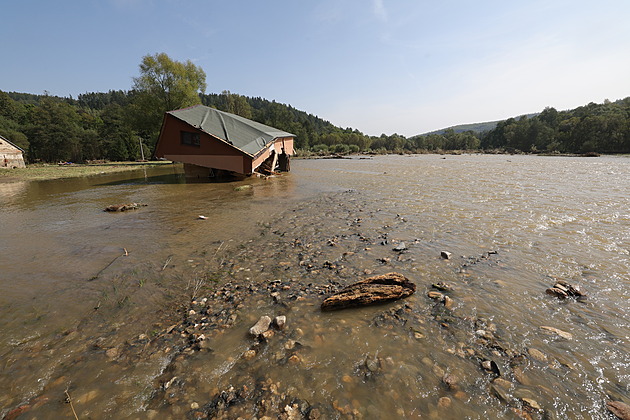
278, 145
211, 152
10, 157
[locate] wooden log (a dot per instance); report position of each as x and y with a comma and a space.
372, 290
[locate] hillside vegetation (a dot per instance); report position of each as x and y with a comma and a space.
109, 125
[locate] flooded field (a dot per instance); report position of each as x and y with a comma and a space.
146, 313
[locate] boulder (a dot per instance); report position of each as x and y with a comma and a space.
372, 290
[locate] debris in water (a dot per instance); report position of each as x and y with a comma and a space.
372, 290
124, 207
202, 217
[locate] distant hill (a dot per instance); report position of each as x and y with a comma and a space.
474, 127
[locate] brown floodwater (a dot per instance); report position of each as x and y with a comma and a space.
86, 295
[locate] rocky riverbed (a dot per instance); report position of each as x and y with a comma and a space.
448, 351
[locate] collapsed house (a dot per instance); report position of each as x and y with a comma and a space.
213, 143
11, 156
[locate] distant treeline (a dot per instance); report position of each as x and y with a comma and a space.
110, 126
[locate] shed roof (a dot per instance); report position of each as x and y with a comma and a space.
242, 133
2, 139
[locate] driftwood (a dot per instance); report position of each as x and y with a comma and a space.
375, 289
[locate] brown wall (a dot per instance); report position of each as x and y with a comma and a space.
211, 153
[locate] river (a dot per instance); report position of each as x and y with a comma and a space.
92, 303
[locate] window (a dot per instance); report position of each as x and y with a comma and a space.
190, 139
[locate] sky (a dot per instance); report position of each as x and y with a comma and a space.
379, 66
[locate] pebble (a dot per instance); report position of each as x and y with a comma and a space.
537, 354
280, 322
249, 354
446, 255
435, 295
261, 326
444, 402
563, 334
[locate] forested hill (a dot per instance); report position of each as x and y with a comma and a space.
478, 128
112, 125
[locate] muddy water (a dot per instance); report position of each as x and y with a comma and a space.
98, 304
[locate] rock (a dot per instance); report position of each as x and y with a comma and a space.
261, 326
372, 290
537, 355
554, 291
451, 381
400, 247
444, 402
500, 393
572, 290
249, 354
446, 255
373, 364
445, 287
435, 295
619, 409
267, 335
563, 334
112, 353
124, 207
503, 383
448, 302
280, 322
528, 402
491, 366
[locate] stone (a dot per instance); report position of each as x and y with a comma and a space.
448, 302
377, 289
280, 322
400, 247
435, 295
537, 355
619, 409
554, 291
446, 255
444, 402
249, 354
261, 326
563, 334
451, 381
112, 353
531, 403
445, 287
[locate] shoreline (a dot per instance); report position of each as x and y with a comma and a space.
45, 172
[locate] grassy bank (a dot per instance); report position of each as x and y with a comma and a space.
45, 171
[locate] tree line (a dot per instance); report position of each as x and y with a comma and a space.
115, 125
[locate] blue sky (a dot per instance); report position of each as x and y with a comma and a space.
381, 66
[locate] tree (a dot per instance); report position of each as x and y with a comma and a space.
164, 85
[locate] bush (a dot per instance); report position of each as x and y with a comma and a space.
318, 148
340, 149
353, 148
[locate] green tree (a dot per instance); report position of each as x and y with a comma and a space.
54, 133
164, 85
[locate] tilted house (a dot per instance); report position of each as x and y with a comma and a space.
209, 141
11, 156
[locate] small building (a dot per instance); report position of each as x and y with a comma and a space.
211, 142
11, 156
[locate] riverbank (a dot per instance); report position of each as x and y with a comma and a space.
41, 172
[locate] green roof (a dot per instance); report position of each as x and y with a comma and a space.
249, 136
